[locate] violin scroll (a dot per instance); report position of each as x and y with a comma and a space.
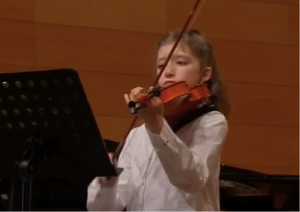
142, 99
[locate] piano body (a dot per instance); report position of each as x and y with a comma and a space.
240, 190
246, 190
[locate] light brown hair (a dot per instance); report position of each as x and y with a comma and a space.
203, 49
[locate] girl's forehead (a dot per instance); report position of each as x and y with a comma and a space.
181, 48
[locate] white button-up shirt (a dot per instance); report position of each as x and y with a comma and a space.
166, 172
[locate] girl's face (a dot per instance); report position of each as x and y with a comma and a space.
183, 66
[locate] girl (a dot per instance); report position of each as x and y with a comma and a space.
164, 171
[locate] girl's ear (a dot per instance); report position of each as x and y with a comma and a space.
205, 74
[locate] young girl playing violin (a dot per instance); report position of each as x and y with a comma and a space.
163, 169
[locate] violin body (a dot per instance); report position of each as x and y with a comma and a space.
178, 93
179, 89
174, 91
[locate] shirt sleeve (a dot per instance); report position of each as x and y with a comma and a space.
189, 166
112, 195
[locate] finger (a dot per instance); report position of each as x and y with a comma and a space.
127, 99
134, 94
132, 97
155, 101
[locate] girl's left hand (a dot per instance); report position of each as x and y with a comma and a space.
150, 114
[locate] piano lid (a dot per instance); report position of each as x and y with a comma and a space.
239, 174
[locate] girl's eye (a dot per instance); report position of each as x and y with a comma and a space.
182, 63
160, 66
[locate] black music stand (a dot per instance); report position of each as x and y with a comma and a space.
48, 130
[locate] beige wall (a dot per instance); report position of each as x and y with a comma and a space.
111, 44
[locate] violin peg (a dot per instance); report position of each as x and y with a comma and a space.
155, 92
132, 107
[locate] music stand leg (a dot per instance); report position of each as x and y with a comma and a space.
27, 166
26, 195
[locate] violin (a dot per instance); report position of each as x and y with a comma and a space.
170, 93
192, 97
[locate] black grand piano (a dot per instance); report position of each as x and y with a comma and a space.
246, 190
240, 190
